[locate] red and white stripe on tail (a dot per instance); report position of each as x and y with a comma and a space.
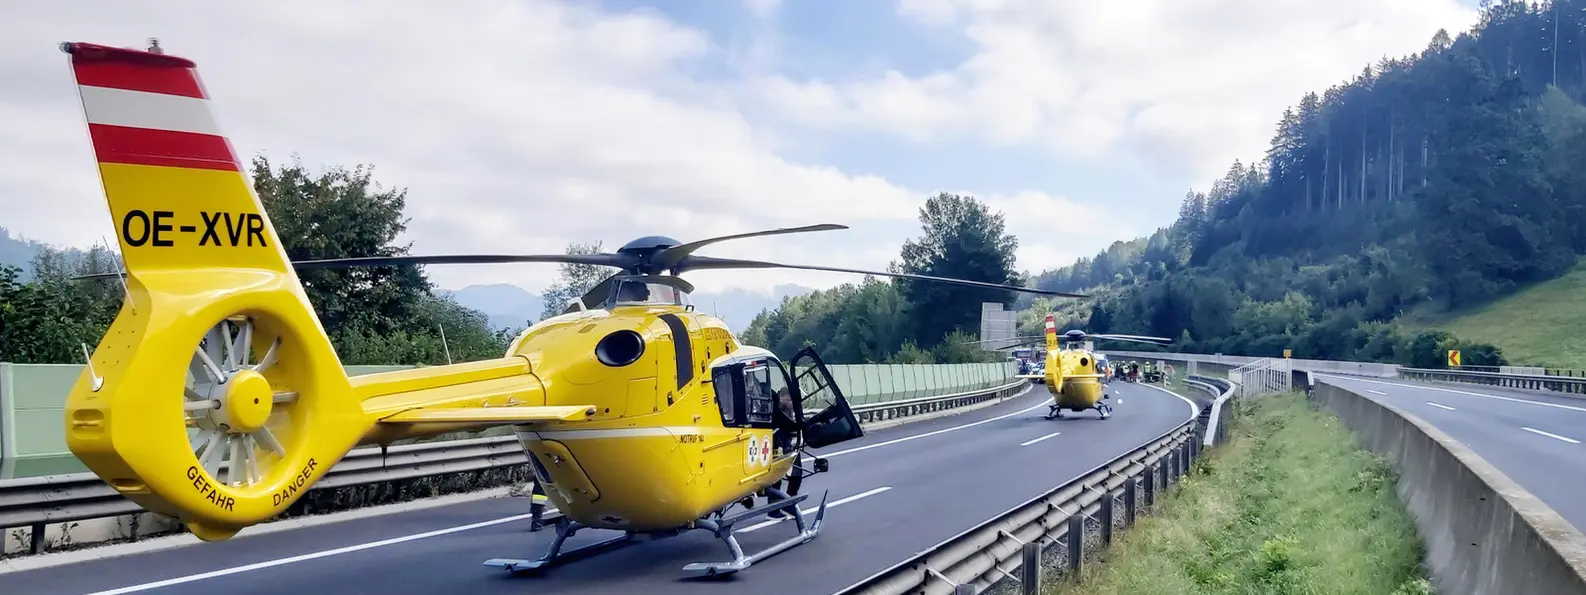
145, 108
1051, 332
178, 195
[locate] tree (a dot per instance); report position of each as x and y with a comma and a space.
575, 280
963, 239
343, 213
49, 318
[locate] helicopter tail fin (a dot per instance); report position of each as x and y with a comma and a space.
215, 326
1051, 332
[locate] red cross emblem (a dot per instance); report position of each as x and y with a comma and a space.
765, 451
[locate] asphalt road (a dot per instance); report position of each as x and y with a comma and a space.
893, 493
1538, 440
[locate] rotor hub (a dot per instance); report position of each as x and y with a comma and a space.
246, 401
231, 403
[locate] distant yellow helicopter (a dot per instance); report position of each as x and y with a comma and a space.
638, 413
1074, 374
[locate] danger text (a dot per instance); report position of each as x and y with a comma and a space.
207, 490
296, 485
158, 228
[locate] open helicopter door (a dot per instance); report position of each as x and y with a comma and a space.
827, 418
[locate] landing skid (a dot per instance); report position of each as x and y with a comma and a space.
1056, 411
722, 527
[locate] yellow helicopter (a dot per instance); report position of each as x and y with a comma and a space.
637, 412
1074, 374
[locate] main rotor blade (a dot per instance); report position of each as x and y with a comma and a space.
98, 276
605, 259
1014, 343
669, 257
1133, 338
1023, 338
620, 261
711, 263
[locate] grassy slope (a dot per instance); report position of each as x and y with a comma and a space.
1291, 505
1542, 325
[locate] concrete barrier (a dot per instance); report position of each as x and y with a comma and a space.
1234, 361
1484, 534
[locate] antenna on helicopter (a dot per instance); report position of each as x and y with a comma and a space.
154, 46
126, 292
444, 345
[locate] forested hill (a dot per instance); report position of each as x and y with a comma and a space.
1429, 183
1432, 182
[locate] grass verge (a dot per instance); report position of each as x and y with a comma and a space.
1526, 324
1291, 504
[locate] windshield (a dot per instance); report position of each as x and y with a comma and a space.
638, 293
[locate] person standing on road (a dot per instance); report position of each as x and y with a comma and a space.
537, 502
787, 423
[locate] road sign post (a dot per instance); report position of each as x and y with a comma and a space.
1288, 353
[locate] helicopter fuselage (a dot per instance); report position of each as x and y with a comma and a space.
1073, 379
656, 454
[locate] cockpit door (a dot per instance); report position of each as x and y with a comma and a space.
827, 418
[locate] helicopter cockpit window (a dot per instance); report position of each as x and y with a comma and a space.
638, 293
748, 391
726, 391
759, 394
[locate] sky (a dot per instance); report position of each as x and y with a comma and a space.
518, 126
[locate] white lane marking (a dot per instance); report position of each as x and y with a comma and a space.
311, 556
1376, 392
1457, 392
1551, 435
1194, 411
1029, 442
935, 432
829, 506
1440, 405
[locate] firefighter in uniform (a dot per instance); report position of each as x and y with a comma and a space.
537, 501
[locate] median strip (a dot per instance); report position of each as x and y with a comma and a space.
1292, 503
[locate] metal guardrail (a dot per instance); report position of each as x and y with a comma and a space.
39, 501
1561, 384
1221, 389
875, 412
1013, 544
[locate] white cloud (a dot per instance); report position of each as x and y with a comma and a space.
1189, 85
522, 125
517, 126
762, 8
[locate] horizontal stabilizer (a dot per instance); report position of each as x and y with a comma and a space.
492, 415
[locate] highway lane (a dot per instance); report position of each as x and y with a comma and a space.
900, 490
1538, 440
